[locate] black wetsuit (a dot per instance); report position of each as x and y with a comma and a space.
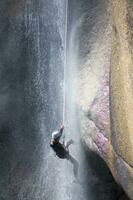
60, 150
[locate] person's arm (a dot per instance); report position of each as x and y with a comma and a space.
61, 129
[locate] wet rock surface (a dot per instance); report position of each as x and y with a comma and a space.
105, 88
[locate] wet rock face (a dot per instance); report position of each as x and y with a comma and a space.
121, 91
106, 116
93, 78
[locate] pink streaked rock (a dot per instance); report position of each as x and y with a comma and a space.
102, 143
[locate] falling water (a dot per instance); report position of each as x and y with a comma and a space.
31, 103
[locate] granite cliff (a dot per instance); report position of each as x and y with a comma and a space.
105, 88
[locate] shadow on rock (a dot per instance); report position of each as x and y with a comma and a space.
104, 185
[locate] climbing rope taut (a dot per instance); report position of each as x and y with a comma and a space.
65, 62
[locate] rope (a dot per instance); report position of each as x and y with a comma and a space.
65, 62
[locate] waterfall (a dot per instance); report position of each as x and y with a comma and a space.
32, 38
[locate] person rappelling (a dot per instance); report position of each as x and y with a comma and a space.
60, 148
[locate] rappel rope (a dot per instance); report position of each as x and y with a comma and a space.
65, 62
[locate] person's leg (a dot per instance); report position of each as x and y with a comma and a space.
75, 165
67, 144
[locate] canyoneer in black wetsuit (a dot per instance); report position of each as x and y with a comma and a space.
61, 149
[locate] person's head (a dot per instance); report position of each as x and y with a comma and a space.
61, 128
